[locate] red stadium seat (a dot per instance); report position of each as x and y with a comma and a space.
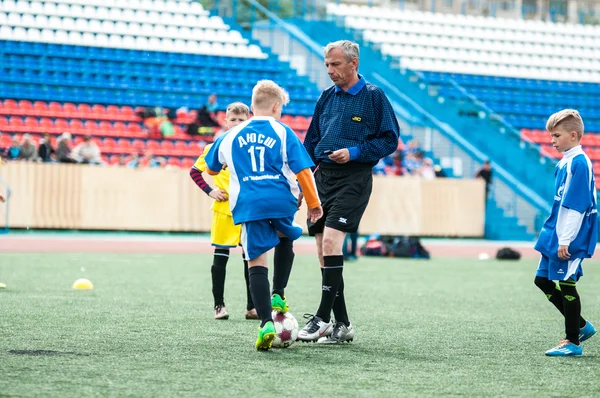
128, 114
174, 162
3, 123
139, 145
32, 124
113, 112
123, 146
25, 107
152, 145
120, 128
5, 141
108, 145
105, 128
134, 130
55, 109
47, 125
166, 149
180, 149
76, 126
16, 124
61, 125
10, 107
187, 163
70, 110
40, 108
91, 127
85, 111
99, 111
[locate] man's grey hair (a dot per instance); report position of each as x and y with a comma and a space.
349, 48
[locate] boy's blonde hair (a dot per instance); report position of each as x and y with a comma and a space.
237, 108
266, 93
568, 120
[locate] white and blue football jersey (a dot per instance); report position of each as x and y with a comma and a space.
263, 156
575, 188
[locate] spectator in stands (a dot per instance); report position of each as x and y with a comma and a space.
439, 172
45, 151
426, 171
14, 151
486, 173
212, 105
87, 152
122, 162
63, 151
413, 161
149, 160
134, 162
28, 148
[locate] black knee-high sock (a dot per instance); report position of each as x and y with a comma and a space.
339, 305
332, 277
218, 275
259, 287
572, 308
554, 295
249, 302
283, 261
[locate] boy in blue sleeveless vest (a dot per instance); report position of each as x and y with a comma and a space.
569, 235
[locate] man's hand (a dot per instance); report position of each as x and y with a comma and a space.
218, 194
563, 252
315, 214
300, 198
340, 156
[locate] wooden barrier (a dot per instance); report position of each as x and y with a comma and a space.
62, 196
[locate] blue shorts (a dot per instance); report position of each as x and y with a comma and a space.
260, 236
560, 270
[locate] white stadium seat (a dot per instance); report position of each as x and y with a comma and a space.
136, 24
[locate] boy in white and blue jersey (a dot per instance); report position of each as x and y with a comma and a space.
569, 235
266, 161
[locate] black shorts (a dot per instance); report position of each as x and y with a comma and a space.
344, 190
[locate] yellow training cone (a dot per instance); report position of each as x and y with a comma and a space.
83, 284
2, 285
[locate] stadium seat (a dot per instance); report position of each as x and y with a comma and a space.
61, 126
3, 123
120, 128
138, 146
166, 149
123, 146
55, 109
180, 149
152, 145
85, 111
70, 110
108, 145
47, 125
187, 163
25, 107
40, 108
173, 161
76, 126
16, 125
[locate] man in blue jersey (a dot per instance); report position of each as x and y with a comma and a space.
570, 233
266, 161
353, 126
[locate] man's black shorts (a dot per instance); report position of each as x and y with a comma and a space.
344, 190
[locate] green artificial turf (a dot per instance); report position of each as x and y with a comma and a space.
423, 328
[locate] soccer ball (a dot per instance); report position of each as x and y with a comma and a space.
286, 329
